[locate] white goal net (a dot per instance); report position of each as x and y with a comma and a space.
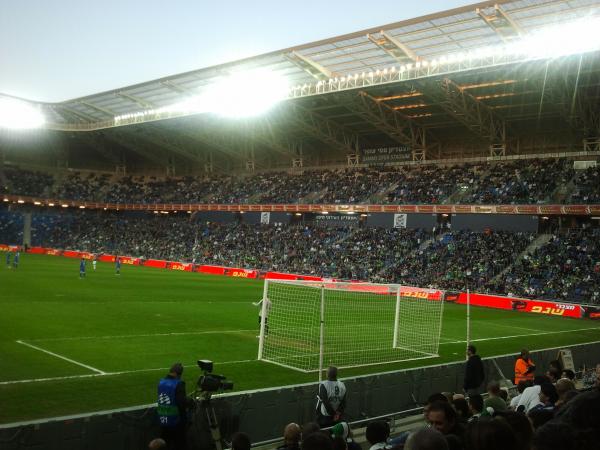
311, 325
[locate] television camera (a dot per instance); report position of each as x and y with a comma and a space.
207, 385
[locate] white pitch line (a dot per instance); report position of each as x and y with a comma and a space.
122, 336
521, 335
108, 374
511, 326
56, 355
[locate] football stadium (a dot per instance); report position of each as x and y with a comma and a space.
389, 237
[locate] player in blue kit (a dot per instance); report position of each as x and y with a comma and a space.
82, 268
16, 259
118, 265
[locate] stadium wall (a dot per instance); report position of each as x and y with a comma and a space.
370, 396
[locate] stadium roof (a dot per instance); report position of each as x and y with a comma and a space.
381, 86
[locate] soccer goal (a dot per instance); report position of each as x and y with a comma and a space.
311, 325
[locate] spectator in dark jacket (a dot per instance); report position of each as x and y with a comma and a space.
474, 373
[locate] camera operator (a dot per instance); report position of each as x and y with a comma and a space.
172, 408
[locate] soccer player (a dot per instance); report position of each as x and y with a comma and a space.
267, 309
82, 268
8, 259
16, 259
118, 265
94, 262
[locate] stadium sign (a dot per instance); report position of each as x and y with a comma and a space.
337, 219
383, 155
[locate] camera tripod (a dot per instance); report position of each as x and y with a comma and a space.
203, 400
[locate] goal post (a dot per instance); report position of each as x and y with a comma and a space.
313, 324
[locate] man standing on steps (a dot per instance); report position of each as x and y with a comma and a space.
474, 373
331, 400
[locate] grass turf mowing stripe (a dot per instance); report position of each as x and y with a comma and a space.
56, 355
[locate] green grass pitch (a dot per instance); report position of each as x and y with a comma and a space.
69, 346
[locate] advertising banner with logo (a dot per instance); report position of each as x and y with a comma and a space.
521, 304
185, 267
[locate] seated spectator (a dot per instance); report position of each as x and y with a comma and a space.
582, 415
339, 443
443, 418
291, 437
548, 397
539, 416
240, 441
309, 428
461, 407
476, 407
426, 439
437, 397
494, 400
553, 374
491, 434
520, 425
555, 436
531, 395
568, 373
157, 444
342, 430
523, 384
563, 387
318, 440
377, 434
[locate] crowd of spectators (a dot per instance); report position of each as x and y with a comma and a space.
525, 182
25, 182
459, 259
528, 182
587, 186
565, 268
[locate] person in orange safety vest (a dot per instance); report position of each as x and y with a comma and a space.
524, 367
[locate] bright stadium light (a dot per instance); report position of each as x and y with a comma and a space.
579, 36
242, 94
18, 114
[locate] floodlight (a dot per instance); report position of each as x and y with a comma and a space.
579, 36
18, 114
242, 94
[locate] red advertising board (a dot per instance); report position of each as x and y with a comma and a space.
241, 273
186, 267
157, 263
129, 260
522, 304
290, 276
214, 270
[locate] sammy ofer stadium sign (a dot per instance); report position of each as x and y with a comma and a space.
384, 155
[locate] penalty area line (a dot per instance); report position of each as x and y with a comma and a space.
56, 355
109, 374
